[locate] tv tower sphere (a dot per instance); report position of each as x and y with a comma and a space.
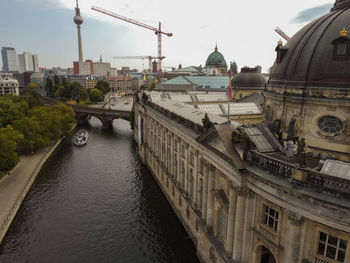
78, 19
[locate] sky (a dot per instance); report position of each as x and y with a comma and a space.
243, 30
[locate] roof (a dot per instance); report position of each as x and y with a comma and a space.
216, 59
242, 108
336, 168
202, 82
309, 57
255, 97
187, 69
188, 112
249, 78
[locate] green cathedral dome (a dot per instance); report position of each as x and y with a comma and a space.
216, 59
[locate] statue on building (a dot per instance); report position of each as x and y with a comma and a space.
301, 152
207, 124
241, 138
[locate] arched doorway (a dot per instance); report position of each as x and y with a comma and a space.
266, 255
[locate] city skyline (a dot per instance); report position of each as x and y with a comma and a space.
194, 37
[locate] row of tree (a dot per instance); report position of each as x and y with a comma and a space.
61, 88
26, 125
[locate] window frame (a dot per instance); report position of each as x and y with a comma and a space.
275, 220
327, 244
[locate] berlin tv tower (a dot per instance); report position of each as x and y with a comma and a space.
79, 20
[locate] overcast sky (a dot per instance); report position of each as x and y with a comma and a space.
243, 30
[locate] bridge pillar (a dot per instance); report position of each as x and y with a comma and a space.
106, 124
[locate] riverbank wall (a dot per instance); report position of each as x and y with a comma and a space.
15, 186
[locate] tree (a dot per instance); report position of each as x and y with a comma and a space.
153, 85
56, 80
78, 92
103, 86
49, 87
9, 138
33, 86
96, 95
11, 110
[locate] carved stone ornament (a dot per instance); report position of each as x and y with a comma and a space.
241, 138
295, 219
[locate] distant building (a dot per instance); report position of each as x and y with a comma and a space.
38, 78
9, 59
187, 71
216, 64
113, 72
248, 81
101, 69
195, 83
8, 85
20, 78
83, 67
25, 62
36, 63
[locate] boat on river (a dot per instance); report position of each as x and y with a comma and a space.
81, 137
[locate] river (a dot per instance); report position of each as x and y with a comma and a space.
97, 203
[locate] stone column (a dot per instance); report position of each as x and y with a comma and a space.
239, 224
293, 237
178, 162
205, 193
172, 156
186, 169
231, 220
210, 201
195, 179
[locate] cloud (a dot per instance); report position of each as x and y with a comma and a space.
311, 13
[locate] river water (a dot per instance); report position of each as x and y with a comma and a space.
97, 203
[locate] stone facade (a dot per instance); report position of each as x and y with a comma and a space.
237, 207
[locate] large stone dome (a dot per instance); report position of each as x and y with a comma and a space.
317, 55
216, 59
249, 78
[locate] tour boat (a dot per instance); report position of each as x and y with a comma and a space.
81, 138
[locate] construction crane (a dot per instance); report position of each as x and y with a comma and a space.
282, 34
158, 31
149, 65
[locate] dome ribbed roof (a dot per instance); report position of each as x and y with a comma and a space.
310, 57
216, 59
249, 78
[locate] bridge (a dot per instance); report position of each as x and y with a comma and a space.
106, 116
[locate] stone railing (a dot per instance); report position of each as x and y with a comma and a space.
320, 260
327, 182
275, 166
306, 176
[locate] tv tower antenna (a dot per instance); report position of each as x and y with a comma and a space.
78, 20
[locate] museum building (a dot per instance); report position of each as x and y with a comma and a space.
274, 192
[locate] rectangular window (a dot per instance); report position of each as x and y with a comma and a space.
331, 247
270, 217
222, 224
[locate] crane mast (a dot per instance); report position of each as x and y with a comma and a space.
158, 31
282, 34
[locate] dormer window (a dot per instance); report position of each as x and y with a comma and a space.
341, 46
341, 49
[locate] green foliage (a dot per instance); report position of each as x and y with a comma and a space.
49, 87
132, 118
153, 85
78, 93
96, 95
9, 137
29, 126
103, 86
